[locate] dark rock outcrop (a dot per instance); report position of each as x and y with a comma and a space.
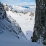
2, 11
40, 21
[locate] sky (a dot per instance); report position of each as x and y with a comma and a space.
18, 2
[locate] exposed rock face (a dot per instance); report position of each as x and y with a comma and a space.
6, 7
2, 11
40, 21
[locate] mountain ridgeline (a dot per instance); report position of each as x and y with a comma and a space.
7, 23
39, 33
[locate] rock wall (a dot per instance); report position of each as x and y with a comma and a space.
40, 21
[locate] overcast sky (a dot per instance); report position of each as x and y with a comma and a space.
18, 2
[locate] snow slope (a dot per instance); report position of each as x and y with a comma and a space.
25, 21
24, 16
